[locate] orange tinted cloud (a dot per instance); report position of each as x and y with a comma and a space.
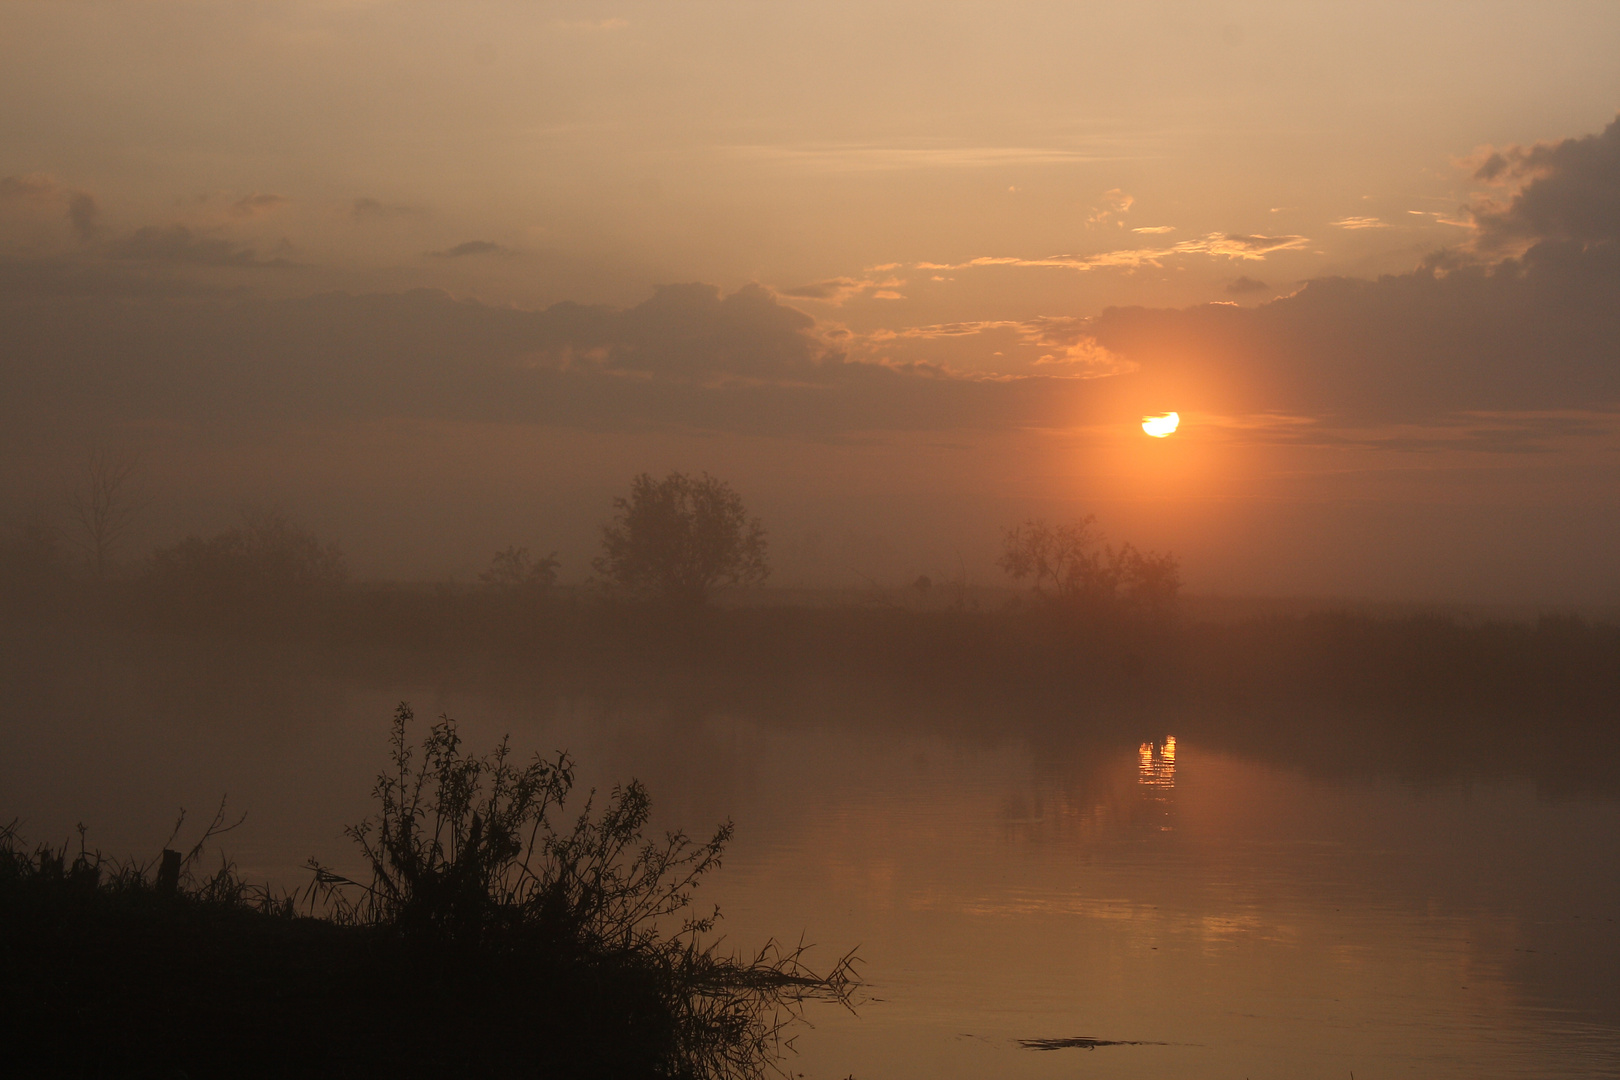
1217, 245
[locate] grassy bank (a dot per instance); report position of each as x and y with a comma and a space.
489, 937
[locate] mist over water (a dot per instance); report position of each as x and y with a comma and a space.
1005, 878
1116, 505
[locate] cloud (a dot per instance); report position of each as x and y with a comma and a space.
1485, 341
833, 290
366, 208
179, 245
1478, 432
30, 187
837, 291
1454, 336
886, 157
1508, 348
689, 357
42, 191
1569, 193
472, 247
1154, 229
257, 204
1235, 246
30, 280
1051, 346
1115, 204
1361, 223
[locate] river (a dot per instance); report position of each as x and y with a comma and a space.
1198, 912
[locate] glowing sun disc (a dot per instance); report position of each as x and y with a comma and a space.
1160, 426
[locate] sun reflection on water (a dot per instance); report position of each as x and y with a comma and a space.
1156, 772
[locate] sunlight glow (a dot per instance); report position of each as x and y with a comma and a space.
1162, 425
1156, 764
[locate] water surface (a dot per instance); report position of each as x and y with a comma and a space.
1235, 917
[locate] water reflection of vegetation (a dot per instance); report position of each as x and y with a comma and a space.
485, 940
1425, 696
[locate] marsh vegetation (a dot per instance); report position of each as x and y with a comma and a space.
493, 932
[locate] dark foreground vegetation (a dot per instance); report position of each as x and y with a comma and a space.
486, 938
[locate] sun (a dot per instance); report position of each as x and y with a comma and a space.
1161, 425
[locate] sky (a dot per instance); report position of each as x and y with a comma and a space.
437, 278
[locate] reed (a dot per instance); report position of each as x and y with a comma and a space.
489, 936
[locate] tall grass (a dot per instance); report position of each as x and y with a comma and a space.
491, 935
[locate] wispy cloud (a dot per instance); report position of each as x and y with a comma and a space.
1116, 204
180, 245
1055, 346
1233, 246
842, 289
881, 157
366, 208
1361, 223
472, 247
257, 204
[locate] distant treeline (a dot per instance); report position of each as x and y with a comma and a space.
1100, 637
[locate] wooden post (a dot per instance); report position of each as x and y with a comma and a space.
168, 878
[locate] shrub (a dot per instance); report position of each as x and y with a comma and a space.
515, 570
464, 852
266, 554
1069, 565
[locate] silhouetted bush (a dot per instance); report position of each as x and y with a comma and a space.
264, 570
1070, 566
484, 942
514, 570
267, 552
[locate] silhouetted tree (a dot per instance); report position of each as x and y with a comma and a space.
33, 564
268, 555
679, 538
516, 570
1068, 564
105, 506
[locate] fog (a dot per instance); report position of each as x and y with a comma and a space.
740, 409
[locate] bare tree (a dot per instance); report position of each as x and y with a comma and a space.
1064, 562
105, 505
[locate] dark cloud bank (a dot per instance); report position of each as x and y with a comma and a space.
687, 357
1468, 330
1526, 318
